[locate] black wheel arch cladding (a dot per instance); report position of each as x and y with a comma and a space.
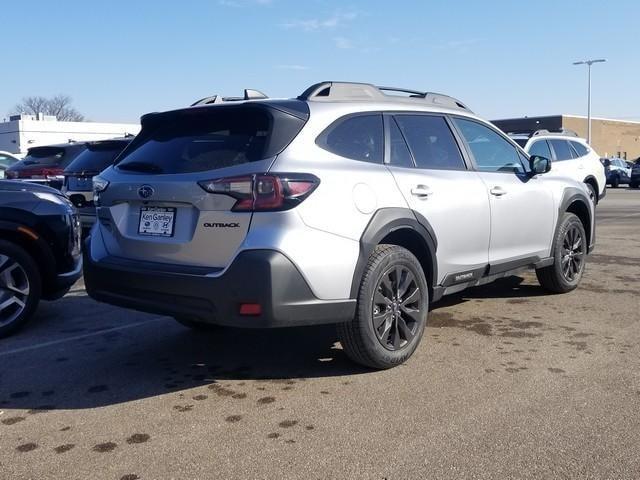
404, 227
577, 202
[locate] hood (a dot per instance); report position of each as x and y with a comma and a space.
18, 186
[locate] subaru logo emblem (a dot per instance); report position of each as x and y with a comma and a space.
145, 191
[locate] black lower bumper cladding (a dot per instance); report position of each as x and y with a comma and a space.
263, 277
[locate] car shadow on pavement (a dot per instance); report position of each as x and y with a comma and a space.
106, 363
103, 355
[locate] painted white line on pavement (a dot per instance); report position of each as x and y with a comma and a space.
78, 337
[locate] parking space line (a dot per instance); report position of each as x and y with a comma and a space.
78, 337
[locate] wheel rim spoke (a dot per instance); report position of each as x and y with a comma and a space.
411, 298
14, 289
384, 335
404, 328
395, 341
380, 299
406, 282
380, 319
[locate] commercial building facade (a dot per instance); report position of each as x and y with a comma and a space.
609, 137
22, 132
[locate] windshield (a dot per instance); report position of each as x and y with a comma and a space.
96, 157
210, 138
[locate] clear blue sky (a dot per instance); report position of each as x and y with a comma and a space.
120, 59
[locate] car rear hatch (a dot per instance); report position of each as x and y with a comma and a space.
156, 207
78, 176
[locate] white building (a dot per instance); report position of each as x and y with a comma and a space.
22, 132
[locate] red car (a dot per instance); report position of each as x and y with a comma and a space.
45, 164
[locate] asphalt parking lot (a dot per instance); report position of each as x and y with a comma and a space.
509, 382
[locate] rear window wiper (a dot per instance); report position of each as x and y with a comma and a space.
140, 167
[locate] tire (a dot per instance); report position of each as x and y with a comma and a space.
401, 323
634, 185
593, 193
615, 182
567, 269
20, 287
196, 325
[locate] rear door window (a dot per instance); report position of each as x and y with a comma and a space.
209, 138
562, 150
540, 148
431, 142
358, 137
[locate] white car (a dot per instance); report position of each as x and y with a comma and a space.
571, 155
6, 160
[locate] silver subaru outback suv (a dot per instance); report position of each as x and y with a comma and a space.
351, 204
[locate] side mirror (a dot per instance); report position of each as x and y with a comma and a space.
539, 164
607, 162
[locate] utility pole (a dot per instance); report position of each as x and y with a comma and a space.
588, 63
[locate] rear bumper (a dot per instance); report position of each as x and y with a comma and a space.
257, 276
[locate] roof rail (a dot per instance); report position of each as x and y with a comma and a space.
561, 131
351, 91
249, 94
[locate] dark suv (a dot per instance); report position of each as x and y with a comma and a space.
39, 250
46, 164
78, 176
635, 175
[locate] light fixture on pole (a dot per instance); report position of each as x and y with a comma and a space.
588, 63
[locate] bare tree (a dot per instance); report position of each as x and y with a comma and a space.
60, 106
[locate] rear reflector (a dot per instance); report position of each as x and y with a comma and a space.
250, 309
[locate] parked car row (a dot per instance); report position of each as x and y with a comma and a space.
218, 214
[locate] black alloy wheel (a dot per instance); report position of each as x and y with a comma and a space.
396, 312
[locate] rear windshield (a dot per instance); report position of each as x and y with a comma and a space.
96, 157
210, 138
44, 156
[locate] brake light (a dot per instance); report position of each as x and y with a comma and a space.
52, 172
42, 172
264, 192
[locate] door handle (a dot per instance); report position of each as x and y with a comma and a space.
498, 191
421, 191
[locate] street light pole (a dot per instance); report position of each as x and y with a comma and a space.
588, 63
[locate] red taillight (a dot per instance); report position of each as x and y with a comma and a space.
250, 309
264, 192
43, 172
52, 172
